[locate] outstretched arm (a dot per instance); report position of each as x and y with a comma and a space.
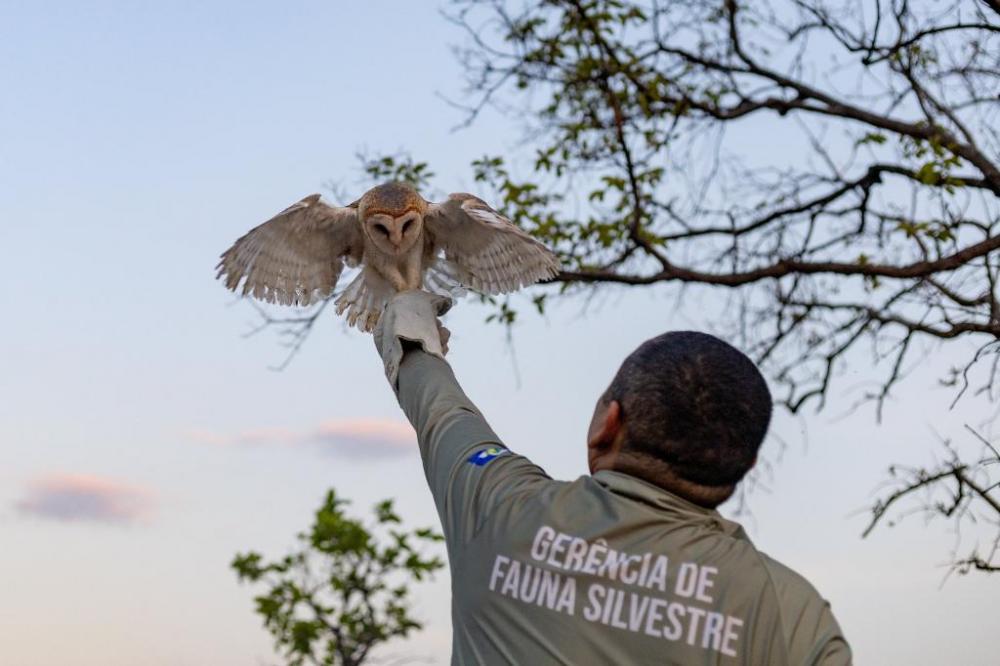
468, 468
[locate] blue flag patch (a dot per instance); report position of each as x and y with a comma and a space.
480, 458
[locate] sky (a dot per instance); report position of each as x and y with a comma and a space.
144, 441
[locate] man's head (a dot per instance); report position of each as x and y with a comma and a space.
687, 412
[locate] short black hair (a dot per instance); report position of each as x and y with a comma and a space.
694, 402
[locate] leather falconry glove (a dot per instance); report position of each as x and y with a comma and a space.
410, 319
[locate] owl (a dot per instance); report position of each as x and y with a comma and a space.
399, 240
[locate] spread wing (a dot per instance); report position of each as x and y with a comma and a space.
295, 257
485, 250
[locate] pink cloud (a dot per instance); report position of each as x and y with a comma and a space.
86, 498
364, 438
349, 438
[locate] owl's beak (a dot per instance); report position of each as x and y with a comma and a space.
396, 236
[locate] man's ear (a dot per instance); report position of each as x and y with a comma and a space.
608, 427
604, 438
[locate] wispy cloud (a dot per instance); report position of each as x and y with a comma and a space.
351, 438
364, 438
86, 498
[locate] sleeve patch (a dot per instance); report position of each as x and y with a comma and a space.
484, 456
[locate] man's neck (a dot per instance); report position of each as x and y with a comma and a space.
659, 473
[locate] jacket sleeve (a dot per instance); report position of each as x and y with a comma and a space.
468, 468
831, 646
812, 634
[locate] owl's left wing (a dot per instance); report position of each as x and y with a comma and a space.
486, 251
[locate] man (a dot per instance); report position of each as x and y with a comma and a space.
631, 565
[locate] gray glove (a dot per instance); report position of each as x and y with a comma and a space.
411, 318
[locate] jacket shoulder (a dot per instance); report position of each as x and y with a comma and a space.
792, 586
811, 631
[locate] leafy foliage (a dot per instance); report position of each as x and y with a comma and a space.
835, 163
402, 168
346, 590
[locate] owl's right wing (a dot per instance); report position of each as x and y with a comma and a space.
296, 257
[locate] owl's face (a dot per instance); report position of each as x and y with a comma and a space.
394, 235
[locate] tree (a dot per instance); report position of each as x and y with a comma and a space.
344, 592
882, 227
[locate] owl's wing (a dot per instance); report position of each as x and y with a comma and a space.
295, 257
486, 251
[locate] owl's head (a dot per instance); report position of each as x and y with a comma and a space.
392, 215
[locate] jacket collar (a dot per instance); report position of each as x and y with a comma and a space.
664, 500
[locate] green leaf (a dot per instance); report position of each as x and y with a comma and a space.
871, 137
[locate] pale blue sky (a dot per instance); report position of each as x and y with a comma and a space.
137, 141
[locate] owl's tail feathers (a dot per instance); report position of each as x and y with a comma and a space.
367, 295
364, 299
441, 277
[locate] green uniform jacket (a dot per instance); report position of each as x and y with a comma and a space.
606, 569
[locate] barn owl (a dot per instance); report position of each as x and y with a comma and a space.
400, 241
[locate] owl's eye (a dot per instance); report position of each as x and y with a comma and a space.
384, 230
407, 225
